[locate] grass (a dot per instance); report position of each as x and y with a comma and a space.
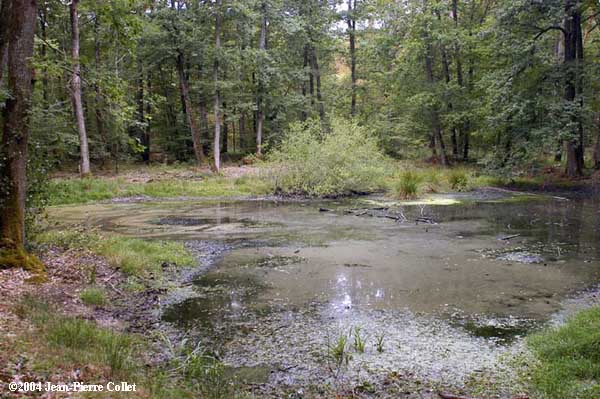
359, 341
569, 358
92, 189
93, 296
65, 343
133, 256
407, 185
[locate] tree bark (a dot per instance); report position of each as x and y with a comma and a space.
4, 25
217, 105
190, 114
18, 39
260, 117
352, 42
84, 166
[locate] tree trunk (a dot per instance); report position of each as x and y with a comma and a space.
317, 74
260, 91
446, 67
98, 95
217, 105
352, 39
572, 29
84, 166
435, 119
4, 25
17, 37
597, 145
304, 90
190, 114
203, 114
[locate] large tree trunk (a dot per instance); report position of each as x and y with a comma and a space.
190, 114
352, 42
572, 32
18, 38
217, 105
260, 116
84, 165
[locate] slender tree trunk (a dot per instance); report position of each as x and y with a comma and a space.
352, 42
260, 117
242, 131
446, 67
98, 94
84, 166
573, 147
304, 89
217, 105
435, 119
597, 145
189, 109
4, 25
17, 37
43, 53
317, 74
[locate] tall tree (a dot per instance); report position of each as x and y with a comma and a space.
84, 165
351, 22
17, 35
262, 47
217, 104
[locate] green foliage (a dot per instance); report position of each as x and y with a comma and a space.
359, 340
458, 179
569, 358
93, 296
338, 351
407, 185
379, 342
311, 160
75, 191
133, 256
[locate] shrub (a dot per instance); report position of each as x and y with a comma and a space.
407, 186
315, 162
458, 179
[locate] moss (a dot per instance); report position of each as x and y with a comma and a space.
19, 258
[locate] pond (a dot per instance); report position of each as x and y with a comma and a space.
436, 292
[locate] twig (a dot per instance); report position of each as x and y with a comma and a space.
506, 238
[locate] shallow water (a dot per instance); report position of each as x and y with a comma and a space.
451, 294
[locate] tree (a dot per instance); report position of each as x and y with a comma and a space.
84, 166
217, 104
17, 36
262, 47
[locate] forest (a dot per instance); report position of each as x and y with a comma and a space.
301, 198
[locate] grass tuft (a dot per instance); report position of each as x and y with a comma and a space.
93, 296
407, 186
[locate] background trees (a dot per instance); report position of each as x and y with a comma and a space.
492, 81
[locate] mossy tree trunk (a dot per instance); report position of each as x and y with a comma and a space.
18, 37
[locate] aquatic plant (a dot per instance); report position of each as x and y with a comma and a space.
379, 342
339, 351
458, 179
359, 340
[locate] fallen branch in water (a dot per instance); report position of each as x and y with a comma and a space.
506, 238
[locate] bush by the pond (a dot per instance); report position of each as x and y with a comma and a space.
407, 185
569, 358
458, 179
312, 161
